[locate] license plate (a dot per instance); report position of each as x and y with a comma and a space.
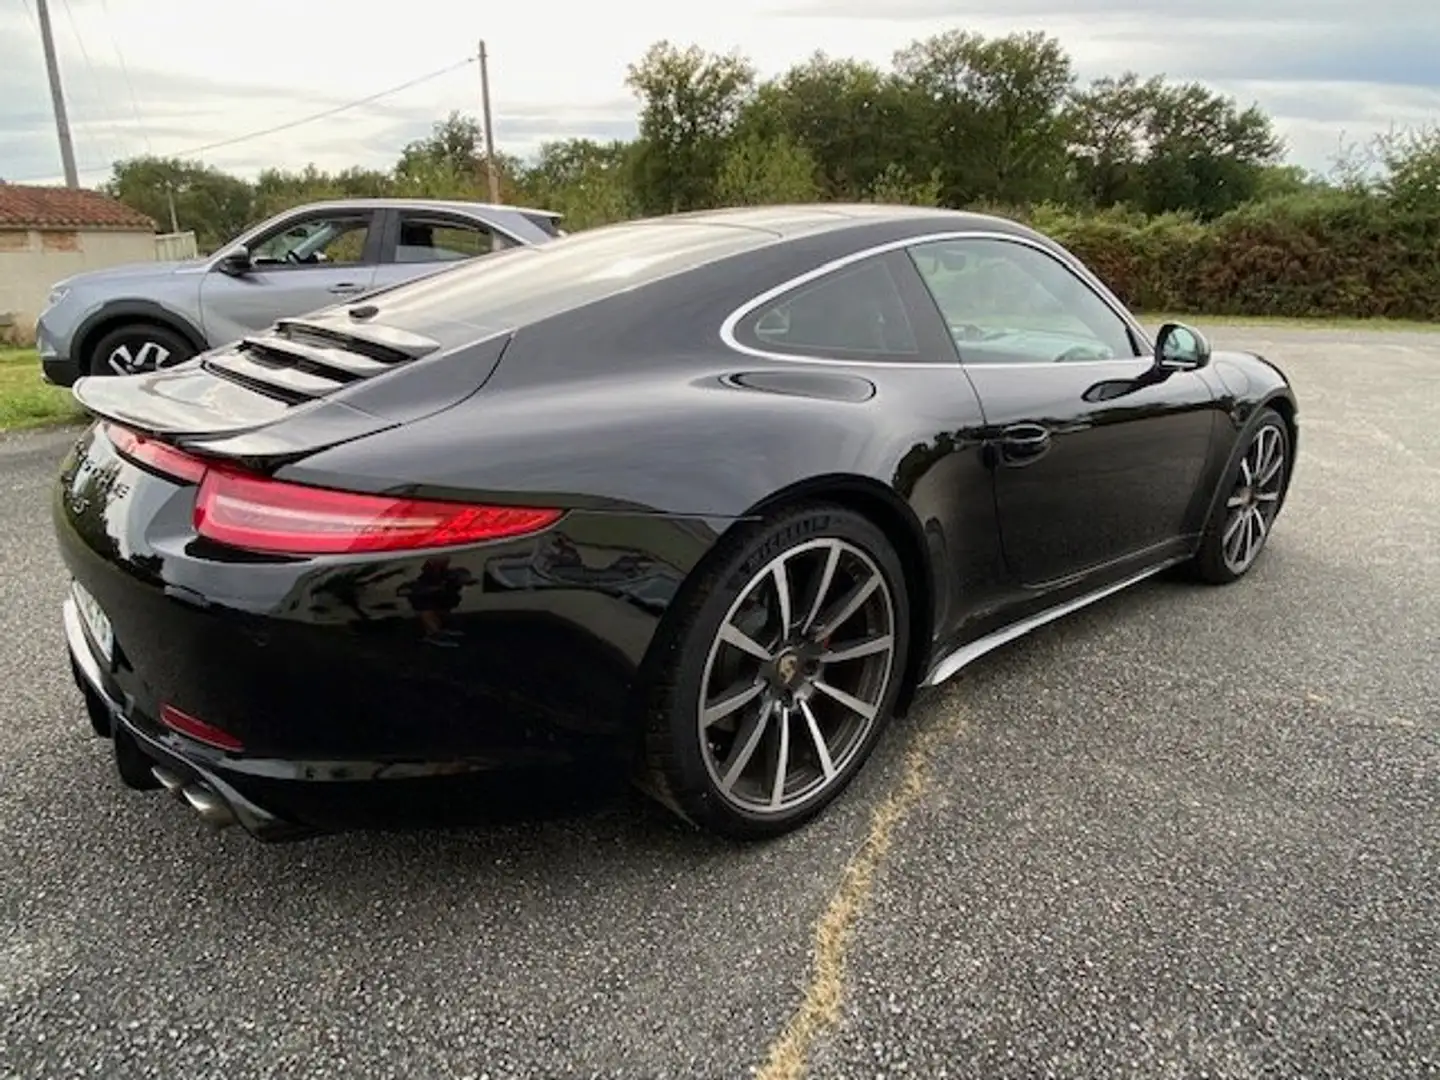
95, 620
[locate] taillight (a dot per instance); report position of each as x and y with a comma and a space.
260, 514
257, 513
159, 456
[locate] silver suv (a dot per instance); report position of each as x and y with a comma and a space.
129, 319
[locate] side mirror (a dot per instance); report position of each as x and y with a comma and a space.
1181, 348
235, 262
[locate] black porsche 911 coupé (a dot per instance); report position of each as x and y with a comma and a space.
705, 497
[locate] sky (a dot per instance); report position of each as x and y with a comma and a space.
173, 76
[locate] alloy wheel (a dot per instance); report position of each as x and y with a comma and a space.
1250, 511
135, 358
796, 676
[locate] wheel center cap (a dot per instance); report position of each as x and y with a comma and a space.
789, 668
1247, 496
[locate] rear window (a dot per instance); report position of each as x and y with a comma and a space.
527, 284
548, 225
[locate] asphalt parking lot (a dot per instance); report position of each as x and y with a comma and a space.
1186, 832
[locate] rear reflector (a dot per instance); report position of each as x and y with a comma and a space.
259, 514
156, 456
198, 730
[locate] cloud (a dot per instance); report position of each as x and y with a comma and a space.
196, 74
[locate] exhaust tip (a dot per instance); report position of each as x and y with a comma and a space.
210, 808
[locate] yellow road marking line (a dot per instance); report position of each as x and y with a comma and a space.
819, 1008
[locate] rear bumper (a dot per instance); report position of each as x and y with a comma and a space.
216, 801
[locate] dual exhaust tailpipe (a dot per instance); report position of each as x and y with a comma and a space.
210, 808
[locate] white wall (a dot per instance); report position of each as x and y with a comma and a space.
32, 261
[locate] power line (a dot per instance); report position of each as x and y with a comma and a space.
112, 138
125, 71
336, 110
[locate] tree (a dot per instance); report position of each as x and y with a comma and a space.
1206, 154
214, 204
1107, 123
690, 102
991, 114
1411, 169
1167, 147
586, 181
850, 116
450, 162
758, 172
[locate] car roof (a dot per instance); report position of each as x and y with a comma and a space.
392, 203
789, 221
739, 250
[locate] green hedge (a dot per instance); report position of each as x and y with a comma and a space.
1331, 255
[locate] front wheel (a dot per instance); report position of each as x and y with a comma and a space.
1255, 490
780, 674
138, 348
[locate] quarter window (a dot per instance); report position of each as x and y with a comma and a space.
853, 313
1006, 302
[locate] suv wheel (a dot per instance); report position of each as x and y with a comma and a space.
137, 348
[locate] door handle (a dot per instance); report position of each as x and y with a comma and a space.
345, 288
1021, 444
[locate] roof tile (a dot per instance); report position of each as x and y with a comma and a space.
26, 207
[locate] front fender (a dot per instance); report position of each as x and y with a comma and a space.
110, 312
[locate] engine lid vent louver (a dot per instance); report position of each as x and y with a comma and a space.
304, 359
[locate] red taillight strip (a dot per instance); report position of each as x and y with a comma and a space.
161, 457
199, 730
260, 514
276, 517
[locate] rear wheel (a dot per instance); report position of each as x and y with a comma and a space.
1255, 490
137, 348
780, 675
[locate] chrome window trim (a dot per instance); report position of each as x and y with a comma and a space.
1068, 261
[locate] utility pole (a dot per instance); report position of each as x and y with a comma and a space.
57, 96
493, 176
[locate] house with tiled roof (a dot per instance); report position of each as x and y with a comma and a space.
49, 233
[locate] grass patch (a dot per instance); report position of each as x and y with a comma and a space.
26, 401
1317, 323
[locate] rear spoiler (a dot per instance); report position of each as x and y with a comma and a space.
305, 385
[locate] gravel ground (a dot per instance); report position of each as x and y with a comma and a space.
1187, 832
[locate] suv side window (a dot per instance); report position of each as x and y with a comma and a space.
337, 239
425, 239
854, 313
1006, 302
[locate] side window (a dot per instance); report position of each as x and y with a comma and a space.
1008, 303
855, 312
328, 240
424, 240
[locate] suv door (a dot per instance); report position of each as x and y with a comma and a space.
1092, 463
311, 260
421, 242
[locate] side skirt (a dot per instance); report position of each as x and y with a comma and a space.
969, 653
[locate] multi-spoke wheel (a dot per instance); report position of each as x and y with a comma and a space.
138, 348
1255, 492
783, 674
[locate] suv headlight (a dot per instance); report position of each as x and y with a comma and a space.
56, 295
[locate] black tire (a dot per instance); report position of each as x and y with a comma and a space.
680, 765
150, 345
1211, 564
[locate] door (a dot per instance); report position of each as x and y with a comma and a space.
1095, 458
423, 242
303, 263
